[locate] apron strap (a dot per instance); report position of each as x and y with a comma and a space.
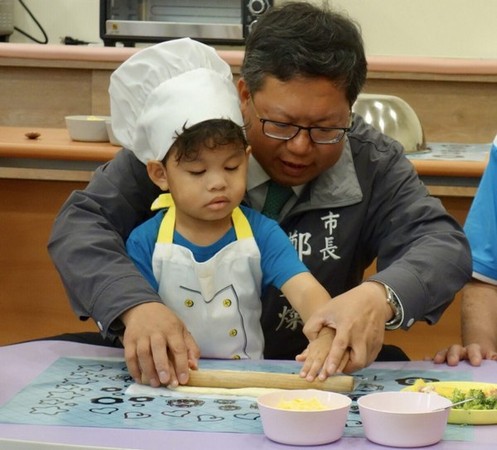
243, 230
166, 230
242, 227
162, 201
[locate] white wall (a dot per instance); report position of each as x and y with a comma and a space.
76, 18
438, 28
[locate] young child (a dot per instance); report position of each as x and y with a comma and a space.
209, 258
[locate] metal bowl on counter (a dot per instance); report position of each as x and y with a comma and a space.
394, 117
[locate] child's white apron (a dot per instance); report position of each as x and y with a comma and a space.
219, 300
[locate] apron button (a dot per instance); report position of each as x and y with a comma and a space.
189, 303
233, 332
226, 302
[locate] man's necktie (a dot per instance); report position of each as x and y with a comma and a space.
276, 197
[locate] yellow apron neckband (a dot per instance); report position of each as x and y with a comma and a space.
243, 230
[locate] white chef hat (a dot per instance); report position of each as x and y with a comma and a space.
164, 87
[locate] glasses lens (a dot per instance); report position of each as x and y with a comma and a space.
326, 135
279, 130
287, 131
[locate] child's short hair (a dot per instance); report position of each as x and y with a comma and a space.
207, 134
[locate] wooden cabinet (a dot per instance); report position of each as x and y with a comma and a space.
32, 298
455, 100
36, 177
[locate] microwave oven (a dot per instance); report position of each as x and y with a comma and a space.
210, 21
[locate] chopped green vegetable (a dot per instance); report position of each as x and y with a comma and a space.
480, 400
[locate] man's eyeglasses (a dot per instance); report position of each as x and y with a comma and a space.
286, 131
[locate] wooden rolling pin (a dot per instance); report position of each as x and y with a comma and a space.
242, 379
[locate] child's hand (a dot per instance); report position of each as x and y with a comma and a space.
316, 354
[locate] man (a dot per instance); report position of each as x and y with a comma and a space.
354, 197
479, 299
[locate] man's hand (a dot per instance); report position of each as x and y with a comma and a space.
474, 353
158, 348
358, 318
479, 326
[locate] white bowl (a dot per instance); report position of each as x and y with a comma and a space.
312, 427
404, 419
87, 128
112, 137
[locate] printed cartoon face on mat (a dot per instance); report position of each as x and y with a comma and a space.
409, 381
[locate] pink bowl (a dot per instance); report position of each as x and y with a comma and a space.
404, 419
313, 427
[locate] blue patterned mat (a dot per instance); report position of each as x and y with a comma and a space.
92, 393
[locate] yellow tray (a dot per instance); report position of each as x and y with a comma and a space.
464, 416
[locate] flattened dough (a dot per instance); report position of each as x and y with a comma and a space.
239, 392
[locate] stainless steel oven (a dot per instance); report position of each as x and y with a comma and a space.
209, 21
